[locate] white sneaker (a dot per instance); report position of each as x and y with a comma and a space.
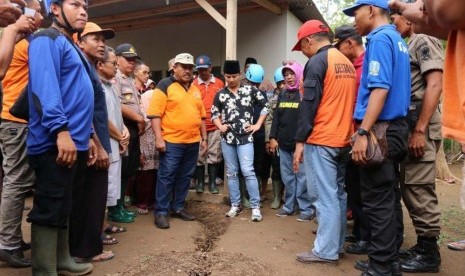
234, 211
256, 215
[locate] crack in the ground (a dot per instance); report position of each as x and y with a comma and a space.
203, 261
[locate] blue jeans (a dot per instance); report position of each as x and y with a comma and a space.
325, 166
177, 165
235, 156
296, 195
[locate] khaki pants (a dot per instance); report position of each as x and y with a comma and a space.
419, 191
18, 180
214, 154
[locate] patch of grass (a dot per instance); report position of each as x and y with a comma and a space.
453, 224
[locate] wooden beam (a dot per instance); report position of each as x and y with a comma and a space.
231, 30
212, 12
147, 23
151, 12
98, 3
269, 6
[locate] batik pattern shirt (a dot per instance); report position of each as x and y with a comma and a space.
236, 111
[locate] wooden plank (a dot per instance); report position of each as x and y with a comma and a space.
212, 12
138, 15
269, 6
99, 3
147, 23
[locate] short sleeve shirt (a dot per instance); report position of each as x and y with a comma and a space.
236, 110
387, 66
127, 92
426, 54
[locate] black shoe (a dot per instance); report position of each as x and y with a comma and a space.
183, 215
14, 258
359, 247
351, 238
161, 221
363, 265
377, 270
424, 257
25, 246
418, 262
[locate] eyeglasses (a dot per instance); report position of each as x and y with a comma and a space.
288, 62
112, 62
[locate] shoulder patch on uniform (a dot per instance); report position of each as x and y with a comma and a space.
374, 68
425, 52
52, 33
164, 83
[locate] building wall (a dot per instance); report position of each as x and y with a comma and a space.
262, 35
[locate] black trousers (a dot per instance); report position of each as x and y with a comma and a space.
259, 157
361, 228
381, 197
131, 162
54, 187
88, 213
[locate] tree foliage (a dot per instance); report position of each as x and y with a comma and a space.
331, 10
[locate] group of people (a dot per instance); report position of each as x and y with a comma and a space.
92, 128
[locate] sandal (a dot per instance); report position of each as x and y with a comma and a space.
113, 229
142, 211
108, 240
104, 256
458, 245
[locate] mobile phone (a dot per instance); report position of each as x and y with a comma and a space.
29, 12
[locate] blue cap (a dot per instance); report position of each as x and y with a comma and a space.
383, 4
203, 62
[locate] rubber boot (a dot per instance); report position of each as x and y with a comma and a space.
199, 175
120, 202
44, 250
276, 194
65, 263
212, 174
242, 188
115, 214
425, 257
264, 183
120, 205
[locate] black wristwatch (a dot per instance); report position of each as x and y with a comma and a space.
362, 132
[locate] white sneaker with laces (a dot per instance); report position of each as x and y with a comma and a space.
256, 215
234, 211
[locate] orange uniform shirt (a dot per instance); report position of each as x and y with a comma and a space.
208, 92
181, 111
453, 117
15, 80
333, 121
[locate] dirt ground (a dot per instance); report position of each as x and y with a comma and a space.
215, 245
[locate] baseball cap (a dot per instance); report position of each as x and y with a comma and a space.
184, 58
126, 50
309, 28
203, 62
383, 4
343, 32
92, 28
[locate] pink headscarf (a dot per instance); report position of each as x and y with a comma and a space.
298, 71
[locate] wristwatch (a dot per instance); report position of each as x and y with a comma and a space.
362, 132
